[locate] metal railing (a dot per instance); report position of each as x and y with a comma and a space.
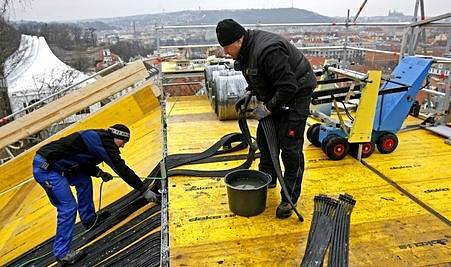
409, 26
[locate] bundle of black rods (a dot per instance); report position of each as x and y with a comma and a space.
329, 229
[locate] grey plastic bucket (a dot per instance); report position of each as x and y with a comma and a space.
246, 191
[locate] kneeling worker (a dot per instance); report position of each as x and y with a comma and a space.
71, 161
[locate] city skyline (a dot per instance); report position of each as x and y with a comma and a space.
65, 10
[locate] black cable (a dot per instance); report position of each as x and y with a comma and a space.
347, 111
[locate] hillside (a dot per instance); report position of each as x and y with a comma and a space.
277, 15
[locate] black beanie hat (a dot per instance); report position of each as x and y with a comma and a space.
120, 131
228, 31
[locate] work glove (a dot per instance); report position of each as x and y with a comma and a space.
151, 196
242, 100
105, 176
261, 111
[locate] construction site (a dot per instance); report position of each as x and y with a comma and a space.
375, 187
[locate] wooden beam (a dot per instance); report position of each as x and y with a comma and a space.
72, 103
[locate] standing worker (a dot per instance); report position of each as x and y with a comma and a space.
282, 78
71, 161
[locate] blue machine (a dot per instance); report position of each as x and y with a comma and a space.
392, 109
396, 97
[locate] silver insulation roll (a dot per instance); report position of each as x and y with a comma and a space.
209, 69
214, 88
228, 90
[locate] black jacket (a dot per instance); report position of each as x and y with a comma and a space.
82, 151
275, 70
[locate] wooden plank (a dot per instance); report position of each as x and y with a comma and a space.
71, 103
127, 110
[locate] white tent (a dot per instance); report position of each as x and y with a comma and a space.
34, 72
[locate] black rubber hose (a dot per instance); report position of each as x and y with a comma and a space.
271, 138
176, 160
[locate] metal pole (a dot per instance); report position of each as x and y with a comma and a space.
448, 42
9, 152
345, 50
405, 38
349, 73
164, 255
360, 10
430, 20
446, 101
373, 50
328, 24
319, 24
433, 92
423, 31
412, 29
157, 33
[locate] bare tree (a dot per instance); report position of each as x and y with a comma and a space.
9, 42
7, 6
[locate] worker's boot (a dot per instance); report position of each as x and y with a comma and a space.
284, 210
71, 257
96, 220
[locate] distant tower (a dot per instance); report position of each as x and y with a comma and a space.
448, 42
135, 35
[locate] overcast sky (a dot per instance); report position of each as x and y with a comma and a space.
60, 10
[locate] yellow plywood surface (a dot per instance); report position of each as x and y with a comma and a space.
127, 110
388, 228
26, 216
421, 164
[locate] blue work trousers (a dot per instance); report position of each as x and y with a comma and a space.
58, 190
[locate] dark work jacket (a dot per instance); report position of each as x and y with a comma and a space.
276, 71
82, 151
